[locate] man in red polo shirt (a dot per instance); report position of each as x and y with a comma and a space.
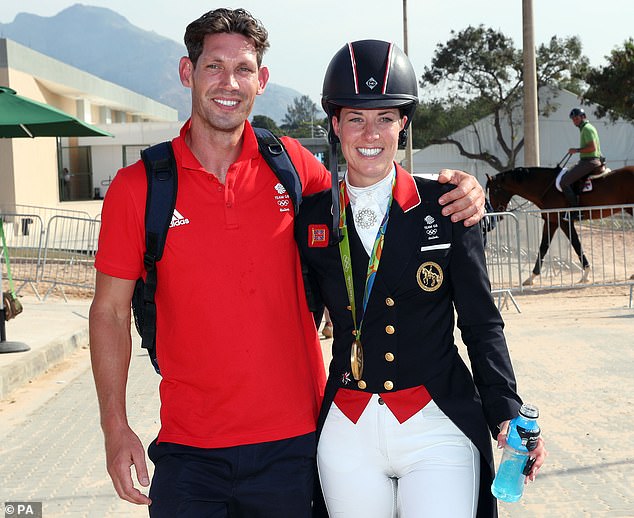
242, 373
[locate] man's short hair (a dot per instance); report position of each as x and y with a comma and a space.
218, 21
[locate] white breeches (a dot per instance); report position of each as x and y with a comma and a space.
379, 468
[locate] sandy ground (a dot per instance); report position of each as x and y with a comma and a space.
573, 356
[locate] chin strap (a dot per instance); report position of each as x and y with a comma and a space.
402, 139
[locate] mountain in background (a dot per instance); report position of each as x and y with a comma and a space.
103, 43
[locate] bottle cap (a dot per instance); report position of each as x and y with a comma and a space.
530, 411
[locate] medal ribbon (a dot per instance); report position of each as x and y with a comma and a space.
346, 259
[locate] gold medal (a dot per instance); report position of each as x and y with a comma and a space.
356, 360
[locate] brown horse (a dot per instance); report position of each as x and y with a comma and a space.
537, 184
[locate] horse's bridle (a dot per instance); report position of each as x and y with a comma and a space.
497, 188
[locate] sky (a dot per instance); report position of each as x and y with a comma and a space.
304, 35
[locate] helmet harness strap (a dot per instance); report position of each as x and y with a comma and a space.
335, 235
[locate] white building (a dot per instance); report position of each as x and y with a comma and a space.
32, 170
556, 135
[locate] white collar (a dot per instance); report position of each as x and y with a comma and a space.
369, 205
378, 191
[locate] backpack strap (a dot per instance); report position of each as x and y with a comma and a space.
162, 186
273, 151
276, 156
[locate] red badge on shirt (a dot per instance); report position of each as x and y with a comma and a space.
317, 236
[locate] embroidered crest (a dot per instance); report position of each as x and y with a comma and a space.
345, 378
431, 227
282, 198
317, 236
429, 276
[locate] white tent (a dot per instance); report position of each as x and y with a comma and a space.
556, 135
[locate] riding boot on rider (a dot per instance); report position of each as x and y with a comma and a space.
589, 158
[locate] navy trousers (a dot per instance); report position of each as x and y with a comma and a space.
265, 480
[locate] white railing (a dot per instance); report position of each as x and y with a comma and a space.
607, 247
59, 253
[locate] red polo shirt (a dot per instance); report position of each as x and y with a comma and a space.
239, 355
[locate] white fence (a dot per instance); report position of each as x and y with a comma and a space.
24, 234
69, 253
513, 247
58, 252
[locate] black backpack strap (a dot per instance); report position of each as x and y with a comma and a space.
275, 154
162, 186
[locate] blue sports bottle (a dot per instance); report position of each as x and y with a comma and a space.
515, 465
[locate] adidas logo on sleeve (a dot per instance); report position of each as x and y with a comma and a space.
178, 219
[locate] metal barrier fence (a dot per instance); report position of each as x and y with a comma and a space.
45, 213
24, 235
514, 244
69, 253
503, 253
58, 253
607, 244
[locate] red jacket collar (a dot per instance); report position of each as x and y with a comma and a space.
405, 191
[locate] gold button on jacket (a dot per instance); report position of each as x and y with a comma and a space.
421, 322
389, 301
389, 357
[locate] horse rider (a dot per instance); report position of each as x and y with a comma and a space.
589, 156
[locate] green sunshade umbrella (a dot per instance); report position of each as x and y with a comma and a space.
24, 117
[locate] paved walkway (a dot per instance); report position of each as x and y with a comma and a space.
53, 330
51, 446
573, 358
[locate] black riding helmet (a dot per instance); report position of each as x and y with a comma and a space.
369, 74
577, 112
366, 74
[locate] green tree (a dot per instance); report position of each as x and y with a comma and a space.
562, 64
262, 121
435, 120
612, 86
308, 129
481, 73
301, 112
